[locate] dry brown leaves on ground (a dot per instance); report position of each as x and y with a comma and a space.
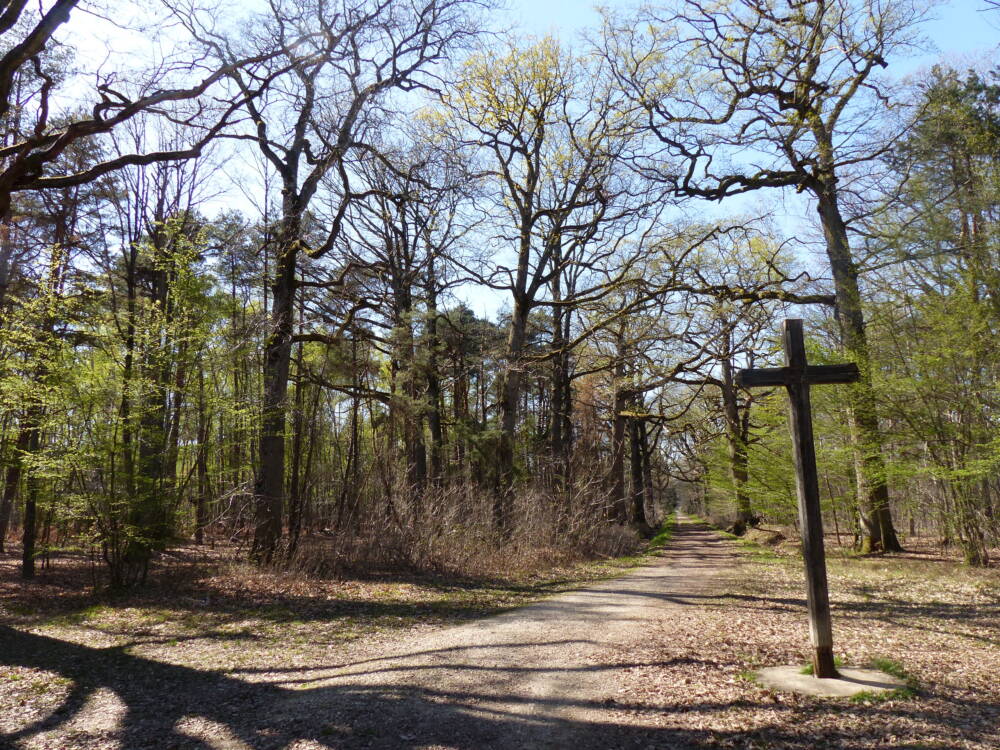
230, 647
928, 616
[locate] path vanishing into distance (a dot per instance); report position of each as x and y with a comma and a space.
538, 676
543, 676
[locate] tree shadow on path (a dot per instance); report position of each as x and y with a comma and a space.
158, 696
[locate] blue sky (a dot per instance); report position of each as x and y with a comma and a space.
962, 32
959, 28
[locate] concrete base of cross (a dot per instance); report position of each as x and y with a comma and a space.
852, 680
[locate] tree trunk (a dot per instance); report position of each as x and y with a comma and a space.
432, 377
12, 480
637, 511
647, 472
32, 423
204, 425
295, 480
269, 488
735, 442
618, 510
510, 393
559, 423
878, 533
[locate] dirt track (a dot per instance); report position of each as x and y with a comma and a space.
541, 676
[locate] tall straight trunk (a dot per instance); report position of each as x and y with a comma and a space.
12, 481
735, 443
174, 430
295, 479
307, 512
154, 367
33, 417
201, 460
407, 409
7, 250
647, 470
350, 489
460, 412
510, 393
128, 375
35, 412
618, 510
433, 379
559, 424
269, 488
637, 511
878, 533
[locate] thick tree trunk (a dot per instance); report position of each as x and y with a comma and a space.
560, 395
407, 410
647, 472
878, 533
295, 479
561, 423
637, 512
432, 377
510, 393
736, 444
12, 481
32, 423
618, 510
269, 488
460, 413
7, 249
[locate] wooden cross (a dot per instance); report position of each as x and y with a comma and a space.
797, 376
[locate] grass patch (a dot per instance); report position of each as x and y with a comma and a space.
748, 675
891, 666
755, 551
869, 697
808, 668
665, 534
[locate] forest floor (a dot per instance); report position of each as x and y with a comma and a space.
659, 657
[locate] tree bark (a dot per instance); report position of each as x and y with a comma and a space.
735, 443
432, 377
32, 419
637, 511
510, 392
269, 489
12, 481
618, 510
204, 426
878, 533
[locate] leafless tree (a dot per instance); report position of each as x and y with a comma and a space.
741, 96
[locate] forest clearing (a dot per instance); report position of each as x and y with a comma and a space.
662, 657
358, 359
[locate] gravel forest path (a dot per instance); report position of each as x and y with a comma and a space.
549, 675
541, 676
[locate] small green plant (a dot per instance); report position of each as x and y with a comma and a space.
890, 666
665, 533
748, 675
881, 696
808, 668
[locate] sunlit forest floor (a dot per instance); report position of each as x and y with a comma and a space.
920, 614
204, 607
206, 623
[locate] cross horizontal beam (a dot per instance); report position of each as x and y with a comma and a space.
786, 376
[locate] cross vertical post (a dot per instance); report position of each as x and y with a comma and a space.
810, 515
796, 376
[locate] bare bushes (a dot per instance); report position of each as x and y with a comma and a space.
450, 530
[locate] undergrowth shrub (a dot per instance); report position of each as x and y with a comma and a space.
450, 530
